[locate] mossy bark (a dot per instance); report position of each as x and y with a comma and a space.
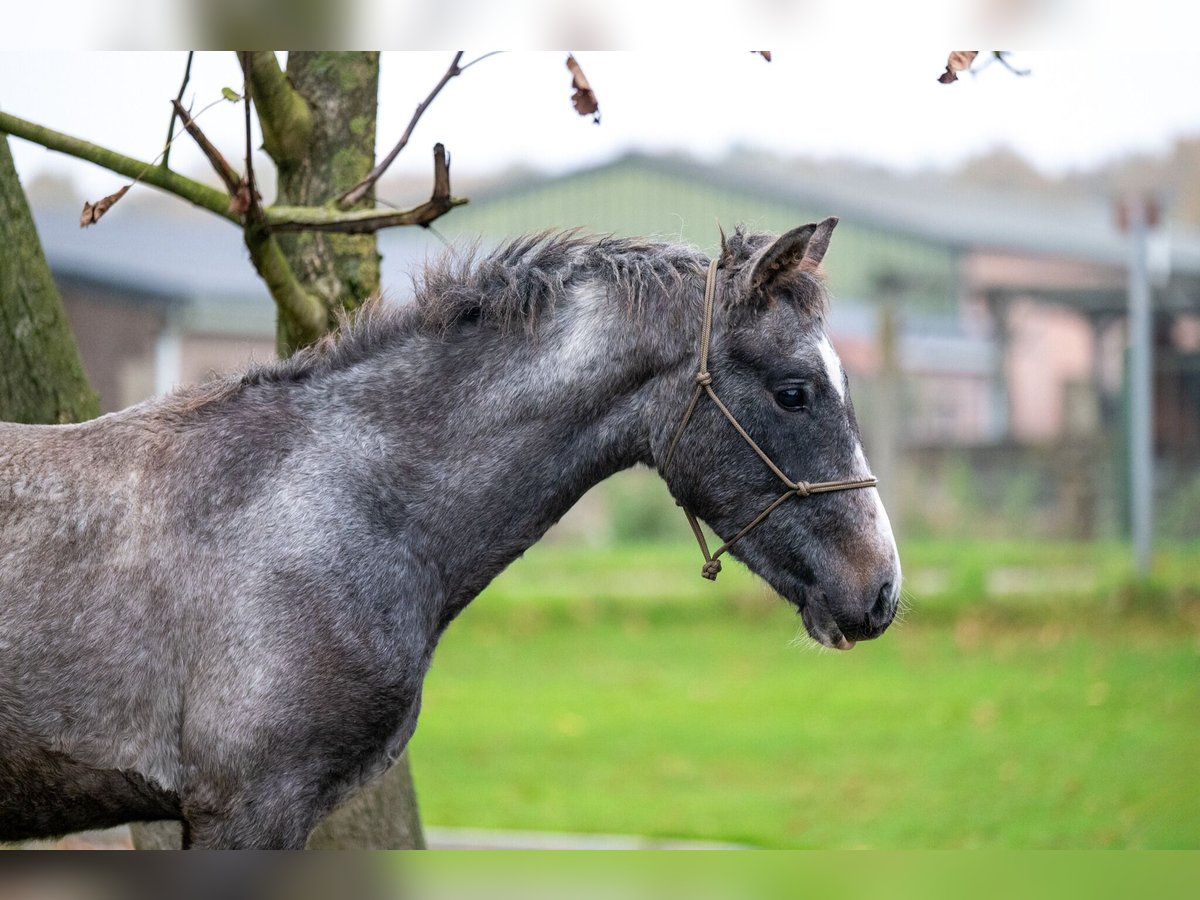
41, 376
341, 91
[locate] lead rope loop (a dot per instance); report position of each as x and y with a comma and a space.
704, 382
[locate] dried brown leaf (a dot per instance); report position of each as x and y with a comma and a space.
765, 54
93, 211
958, 61
584, 99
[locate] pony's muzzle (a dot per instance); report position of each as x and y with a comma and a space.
874, 615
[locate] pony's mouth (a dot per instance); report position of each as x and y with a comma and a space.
818, 620
820, 624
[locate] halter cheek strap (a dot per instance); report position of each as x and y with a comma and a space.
704, 385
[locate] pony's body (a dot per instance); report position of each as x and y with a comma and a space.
220, 606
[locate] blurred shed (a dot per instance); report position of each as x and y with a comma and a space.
983, 332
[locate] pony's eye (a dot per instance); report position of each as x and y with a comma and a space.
794, 396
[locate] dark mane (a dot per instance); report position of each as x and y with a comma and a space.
526, 277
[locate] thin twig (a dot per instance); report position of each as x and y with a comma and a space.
1000, 55
356, 193
187, 74
228, 174
437, 234
478, 59
254, 205
245, 59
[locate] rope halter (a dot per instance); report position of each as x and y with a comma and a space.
704, 385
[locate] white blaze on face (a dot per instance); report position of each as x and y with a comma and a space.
883, 525
837, 377
833, 367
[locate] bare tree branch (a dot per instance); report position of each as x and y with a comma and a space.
306, 313
187, 74
277, 218
364, 221
359, 221
356, 193
162, 178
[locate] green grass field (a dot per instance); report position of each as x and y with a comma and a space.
1029, 700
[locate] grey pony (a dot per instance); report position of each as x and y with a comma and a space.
219, 606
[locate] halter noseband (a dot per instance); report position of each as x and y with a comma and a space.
712, 564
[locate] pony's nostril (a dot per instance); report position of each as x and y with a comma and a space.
884, 606
869, 616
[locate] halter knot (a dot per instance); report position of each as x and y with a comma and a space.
710, 569
801, 489
704, 379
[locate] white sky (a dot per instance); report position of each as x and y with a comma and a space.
1076, 110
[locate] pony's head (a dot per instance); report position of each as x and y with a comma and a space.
773, 368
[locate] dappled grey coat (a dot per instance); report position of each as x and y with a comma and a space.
219, 606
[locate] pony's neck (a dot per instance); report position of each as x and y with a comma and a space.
491, 437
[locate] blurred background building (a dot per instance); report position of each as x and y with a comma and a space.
981, 320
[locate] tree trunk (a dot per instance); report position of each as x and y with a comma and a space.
342, 270
342, 91
41, 376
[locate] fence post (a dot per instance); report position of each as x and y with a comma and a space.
1136, 218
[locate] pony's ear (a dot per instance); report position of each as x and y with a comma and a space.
800, 250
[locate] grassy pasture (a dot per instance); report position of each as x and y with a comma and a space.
1029, 699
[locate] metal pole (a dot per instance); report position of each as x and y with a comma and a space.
1001, 423
1141, 392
